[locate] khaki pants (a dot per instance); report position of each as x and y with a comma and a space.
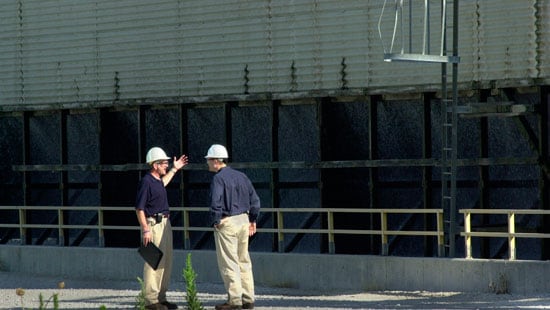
156, 281
233, 259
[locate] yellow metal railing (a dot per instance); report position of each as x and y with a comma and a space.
280, 228
383, 232
23, 225
510, 234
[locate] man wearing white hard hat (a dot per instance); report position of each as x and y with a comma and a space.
154, 218
234, 209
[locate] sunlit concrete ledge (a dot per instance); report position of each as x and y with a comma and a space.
320, 272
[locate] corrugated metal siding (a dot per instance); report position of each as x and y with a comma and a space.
283, 46
9, 58
468, 41
543, 41
58, 53
88, 51
219, 39
68, 51
137, 48
325, 40
507, 40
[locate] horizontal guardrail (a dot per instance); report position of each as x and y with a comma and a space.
280, 230
511, 233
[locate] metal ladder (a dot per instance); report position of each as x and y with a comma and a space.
449, 106
448, 171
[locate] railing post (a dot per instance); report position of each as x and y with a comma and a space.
22, 223
280, 235
100, 232
186, 235
511, 235
331, 245
60, 224
467, 236
384, 228
440, 234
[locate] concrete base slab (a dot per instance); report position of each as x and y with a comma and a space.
320, 272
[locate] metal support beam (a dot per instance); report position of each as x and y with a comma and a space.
24, 233
427, 172
544, 180
101, 159
484, 180
453, 211
184, 146
498, 109
278, 241
373, 154
63, 238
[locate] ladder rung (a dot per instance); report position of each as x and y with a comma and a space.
447, 149
447, 125
447, 197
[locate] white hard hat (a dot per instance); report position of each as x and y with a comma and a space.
216, 151
154, 154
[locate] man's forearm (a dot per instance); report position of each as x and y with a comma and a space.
169, 175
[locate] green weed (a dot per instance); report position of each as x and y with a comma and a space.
189, 275
140, 299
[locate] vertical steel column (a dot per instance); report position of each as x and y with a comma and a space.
448, 172
141, 125
184, 143
23, 233
373, 154
328, 221
101, 232
228, 107
141, 143
450, 138
454, 225
63, 186
427, 170
24, 238
278, 241
483, 185
544, 195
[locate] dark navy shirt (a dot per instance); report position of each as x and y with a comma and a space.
232, 193
151, 196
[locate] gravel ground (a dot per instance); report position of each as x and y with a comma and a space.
92, 294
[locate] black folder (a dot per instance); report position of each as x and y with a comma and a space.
151, 254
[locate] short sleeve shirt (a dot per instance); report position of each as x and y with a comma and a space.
151, 196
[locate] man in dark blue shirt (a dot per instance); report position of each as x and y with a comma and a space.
234, 209
154, 218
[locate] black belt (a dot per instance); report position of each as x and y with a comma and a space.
159, 216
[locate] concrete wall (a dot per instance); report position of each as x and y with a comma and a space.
352, 273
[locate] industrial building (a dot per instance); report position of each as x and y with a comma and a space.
341, 112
